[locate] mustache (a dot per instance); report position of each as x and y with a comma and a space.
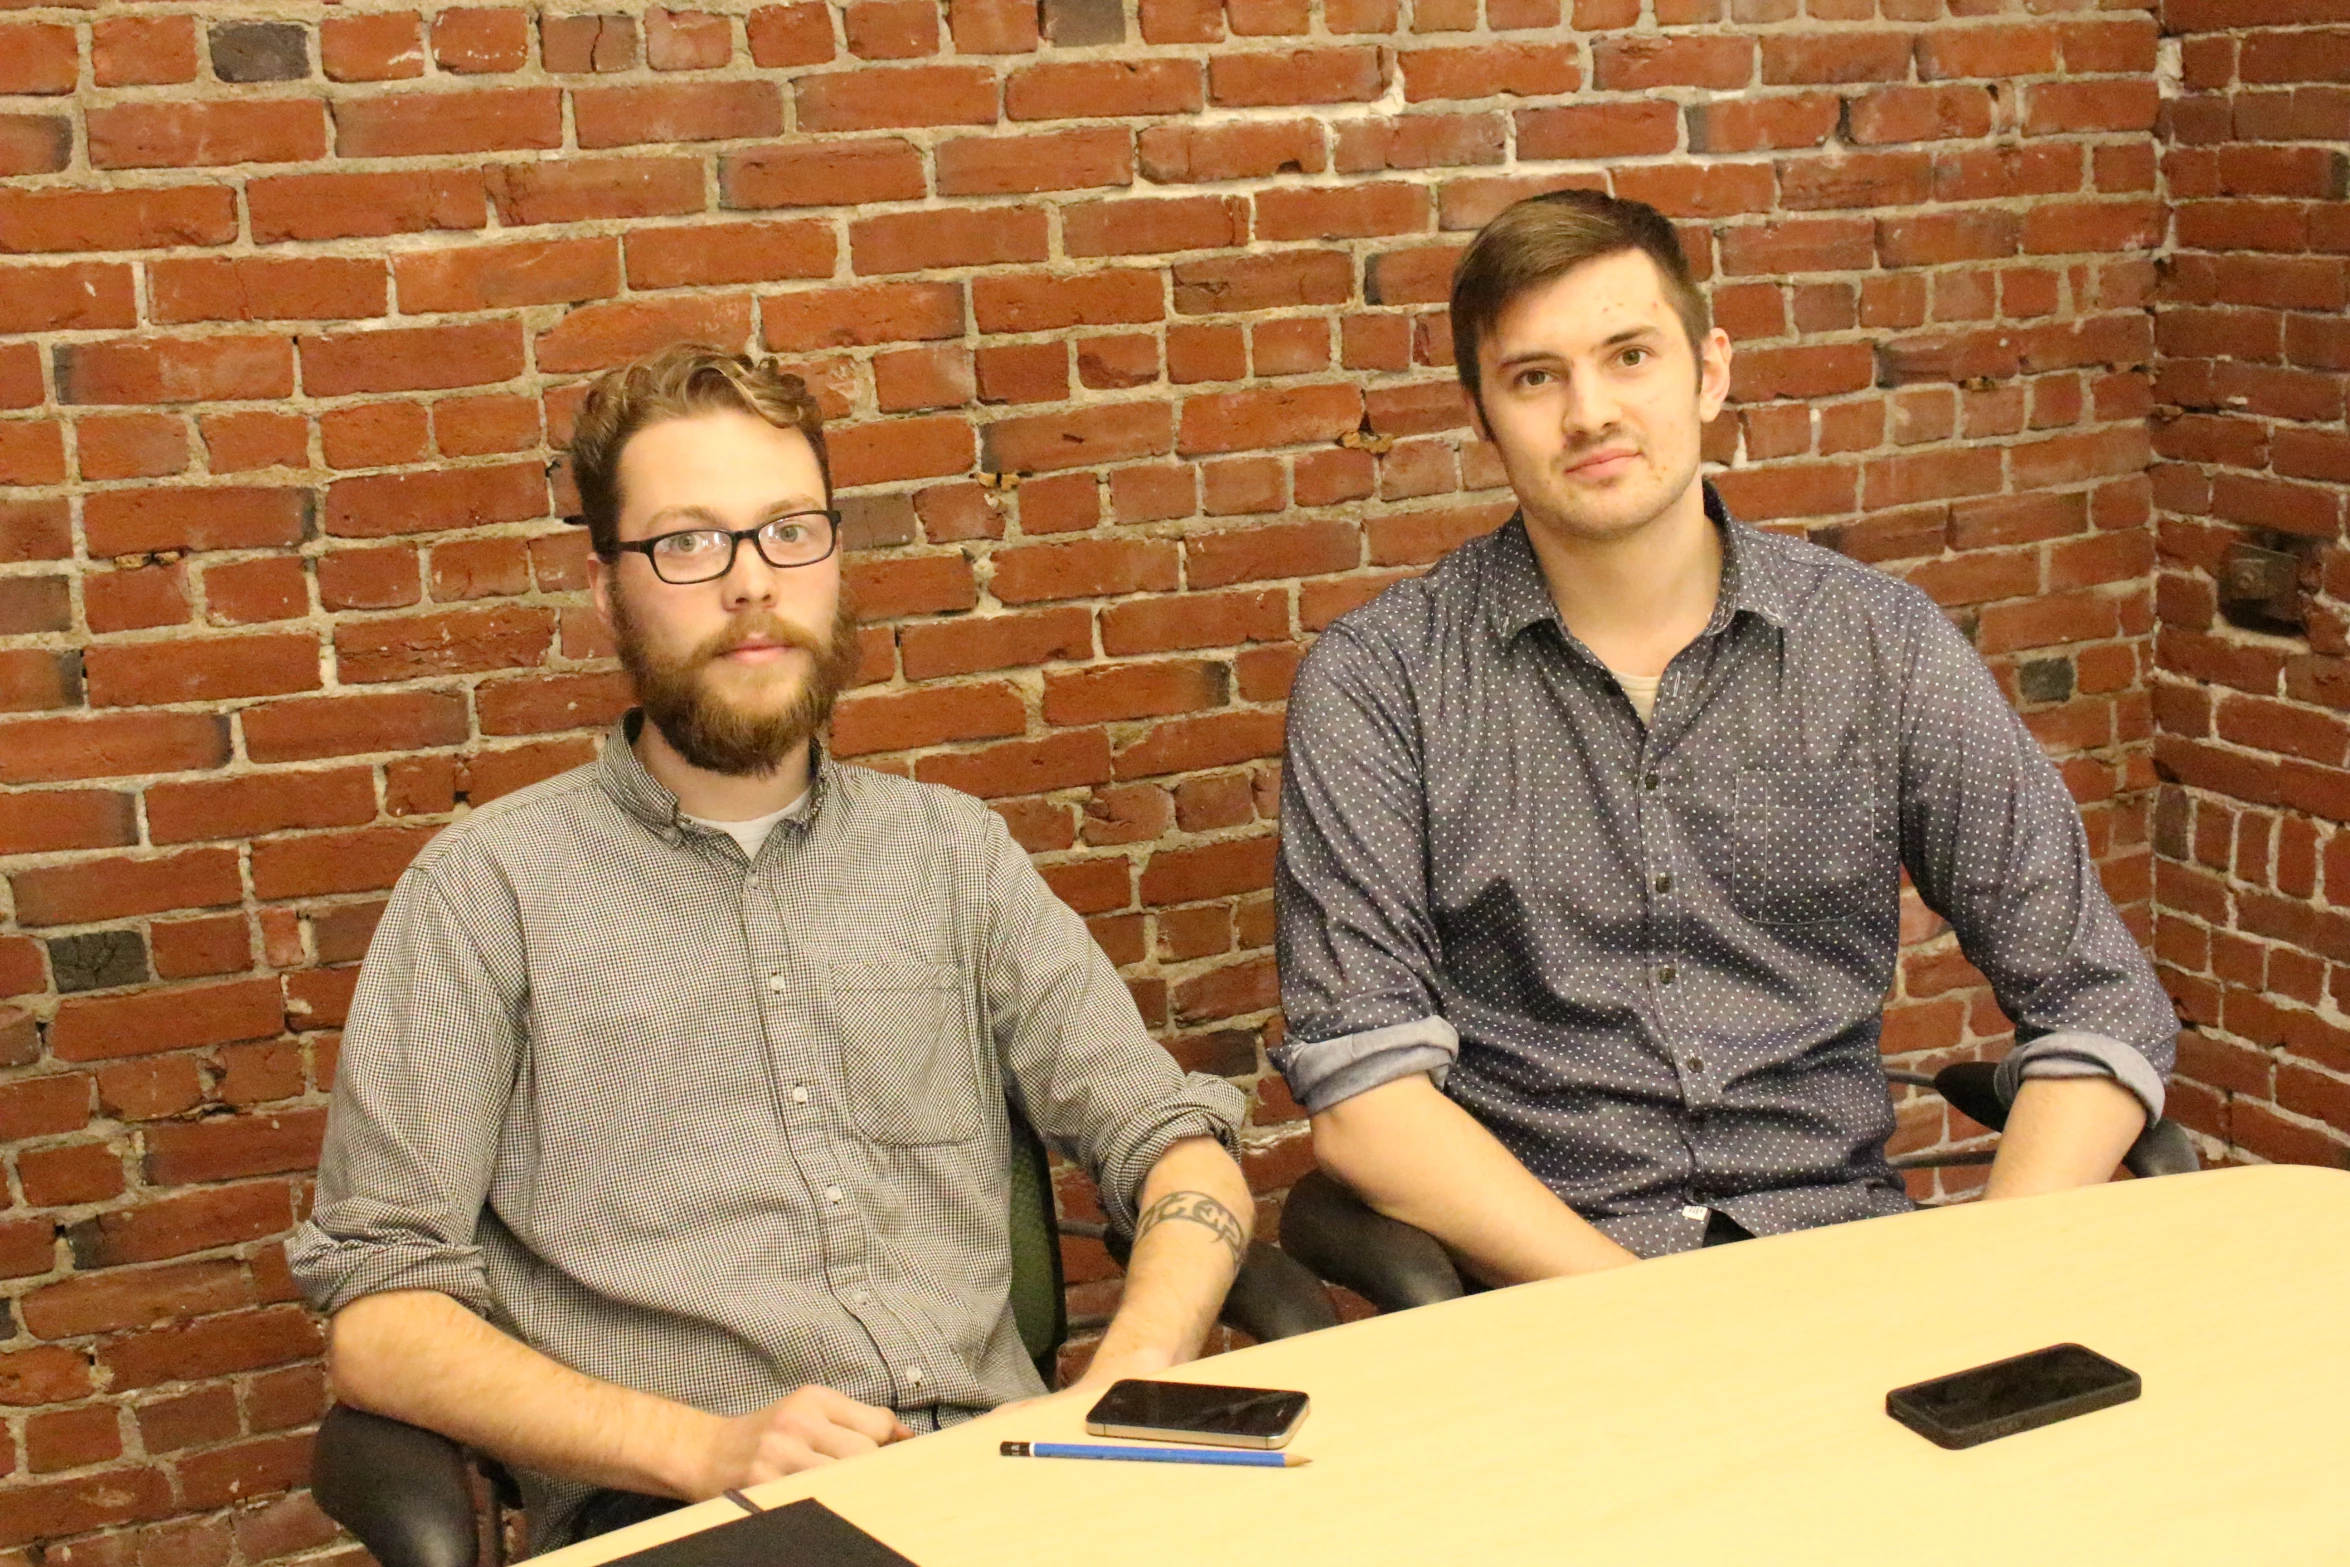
762, 626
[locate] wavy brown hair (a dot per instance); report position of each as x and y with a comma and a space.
678, 381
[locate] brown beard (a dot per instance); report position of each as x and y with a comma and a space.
714, 734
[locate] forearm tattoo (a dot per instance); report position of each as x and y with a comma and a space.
1199, 1208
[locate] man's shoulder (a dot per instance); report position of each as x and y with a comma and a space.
1819, 587
1410, 618
885, 802
529, 818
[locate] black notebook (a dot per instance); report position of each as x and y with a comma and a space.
805, 1534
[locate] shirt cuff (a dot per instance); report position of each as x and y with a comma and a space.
2079, 1054
334, 1270
1205, 1107
1325, 1072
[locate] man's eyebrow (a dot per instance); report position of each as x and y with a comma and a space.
1630, 334
703, 516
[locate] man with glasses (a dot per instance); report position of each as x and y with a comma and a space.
669, 1145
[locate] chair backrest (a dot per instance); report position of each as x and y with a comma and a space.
1037, 1301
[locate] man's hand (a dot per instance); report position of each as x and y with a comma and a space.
807, 1427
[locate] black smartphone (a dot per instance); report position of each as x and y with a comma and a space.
2020, 1393
1198, 1412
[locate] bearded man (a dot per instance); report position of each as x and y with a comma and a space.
669, 1144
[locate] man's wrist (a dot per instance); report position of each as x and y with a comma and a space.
677, 1451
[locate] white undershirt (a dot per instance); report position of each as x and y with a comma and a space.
1641, 689
753, 833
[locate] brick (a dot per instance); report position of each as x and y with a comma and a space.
478, 40
32, 679
1706, 191
1487, 70
31, 453
1912, 114
1023, 373
147, 219
79, 1505
1183, 745
362, 206
35, 143
1269, 552
1421, 141
174, 369
259, 51
1624, 130
1762, 123
1989, 53
1196, 154
143, 51
46, 1106
20, 387
1103, 694
812, 319
63, 1176
259, 803
266, 289
720, 253
199, 948
110, 1301
134, 446
388, 46
574, 190
833, 173
991, 26
596, 337
1348, 74
409, 124
183, 135
263, 1467
1001, 164
1633, 64
892, 589
1153, 227
676, 112
212, 1346
686, 40
35, 530
38, 57
1045, 302
31, 605
1090, 568
62, 298
51, 750
227, 1148
453, 641
886, 97
896, 449
1422, 537
946, 237
1060, 761
1087, 89
1088, 437
382, 505
487, 277
43, 1374
181, 1017
211, 670
909, 720
251, 592
1348, 212
1253, 420
1009, 641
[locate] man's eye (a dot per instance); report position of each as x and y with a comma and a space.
787, 532
1533, 377
1636, 356
684, 546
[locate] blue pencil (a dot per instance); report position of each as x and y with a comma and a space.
1154, 1455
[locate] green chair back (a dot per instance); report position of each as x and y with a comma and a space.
1037, 1302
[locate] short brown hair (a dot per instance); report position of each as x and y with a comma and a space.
683, 379
1543, 236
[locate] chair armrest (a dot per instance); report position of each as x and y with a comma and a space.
1386, 1261
406, 1492
1276, 1296
2162, 1149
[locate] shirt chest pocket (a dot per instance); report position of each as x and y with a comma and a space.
1807, 847
909, 1060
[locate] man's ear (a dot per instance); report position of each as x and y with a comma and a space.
599, 584
1477, 414
1713, 374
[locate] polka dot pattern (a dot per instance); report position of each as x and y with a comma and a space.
1651, 956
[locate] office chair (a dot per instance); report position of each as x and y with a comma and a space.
408, 1493
1396, 1266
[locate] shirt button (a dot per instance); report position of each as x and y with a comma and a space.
862, 1296
1665, 974
1664, 883
832, 1194
754, 880
799, 1096
1694, 1063
775, 982
1651, 781
914, 1375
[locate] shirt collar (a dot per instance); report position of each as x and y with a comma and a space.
650, 801
1754, 577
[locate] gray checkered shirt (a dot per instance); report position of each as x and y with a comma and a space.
714, 1128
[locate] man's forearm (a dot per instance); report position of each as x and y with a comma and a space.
419, 1356
1188, 1244
1414, 1155
2064, 1132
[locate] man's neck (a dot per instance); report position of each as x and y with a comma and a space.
721, 797
1640, 597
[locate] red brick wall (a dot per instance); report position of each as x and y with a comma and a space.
1132, 320
2254, 359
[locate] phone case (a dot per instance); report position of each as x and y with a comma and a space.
1911, 1405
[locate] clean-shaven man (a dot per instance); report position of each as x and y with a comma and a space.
668, 1149
1591, 838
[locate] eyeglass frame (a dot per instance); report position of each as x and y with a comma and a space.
734, 545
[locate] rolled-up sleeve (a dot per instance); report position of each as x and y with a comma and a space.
1358, 946
1995, 844
425, 1074
1088, 1075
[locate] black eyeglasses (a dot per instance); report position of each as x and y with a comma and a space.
799, 538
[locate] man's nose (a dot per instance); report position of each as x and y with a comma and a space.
750, 580
1589, 404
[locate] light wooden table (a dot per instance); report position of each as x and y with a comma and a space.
1727, 1406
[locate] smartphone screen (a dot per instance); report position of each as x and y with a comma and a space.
2008, 1396
1199, 1412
